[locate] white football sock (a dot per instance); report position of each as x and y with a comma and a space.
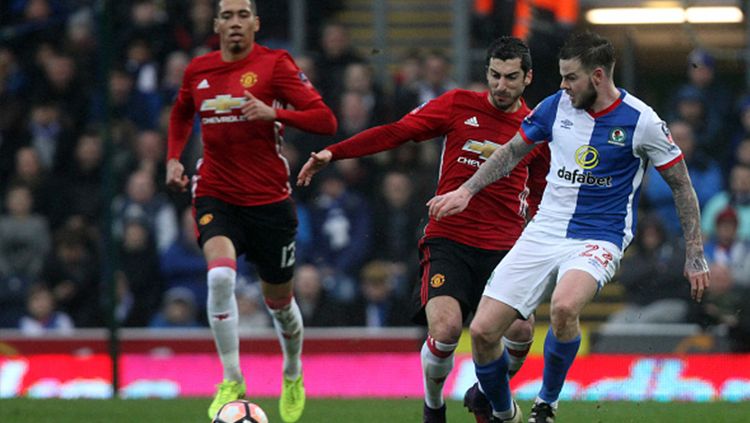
287, 320
437, 363
517, 352
222, 317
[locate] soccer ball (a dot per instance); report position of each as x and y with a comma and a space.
240, 411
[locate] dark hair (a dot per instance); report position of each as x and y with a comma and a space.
252, 7
591, 49
506, 48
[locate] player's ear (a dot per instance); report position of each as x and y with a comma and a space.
216, 25
257, 24
529, 77
599, 74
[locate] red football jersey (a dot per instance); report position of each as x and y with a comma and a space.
472, 129
242, 162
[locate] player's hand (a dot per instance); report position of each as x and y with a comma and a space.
697, 273
316, 162
176, 178
450, 203
254, 109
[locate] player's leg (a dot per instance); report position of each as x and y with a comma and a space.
589, 265
222, 317
442, 296
218, 233
514, 289
491, 321
287, 320
483, 264
517, 341
272, 250
444, 322
575, 289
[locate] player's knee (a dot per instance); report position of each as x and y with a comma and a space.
520, 331
221, 279
280, 294
564, 312
483, 336
446, 332
563, 317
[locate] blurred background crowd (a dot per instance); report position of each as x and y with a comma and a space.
359, 221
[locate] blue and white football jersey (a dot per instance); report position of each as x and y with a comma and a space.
597, 165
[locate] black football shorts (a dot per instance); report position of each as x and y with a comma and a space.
454, 269
265, 234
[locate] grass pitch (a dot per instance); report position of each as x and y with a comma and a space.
354, 411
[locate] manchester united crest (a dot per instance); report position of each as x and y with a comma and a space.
437, 280
206, 219
249, 79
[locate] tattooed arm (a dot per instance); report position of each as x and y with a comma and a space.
686, 202
499, 164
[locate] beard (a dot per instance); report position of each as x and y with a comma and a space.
236, 46
506, 103
586, 98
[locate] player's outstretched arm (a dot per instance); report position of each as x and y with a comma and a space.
499, 164
314, 164
176, 178
696, 268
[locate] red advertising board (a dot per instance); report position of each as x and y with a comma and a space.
384, 375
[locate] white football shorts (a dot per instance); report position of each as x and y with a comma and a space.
522, 277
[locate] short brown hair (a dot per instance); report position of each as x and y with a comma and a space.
591, 49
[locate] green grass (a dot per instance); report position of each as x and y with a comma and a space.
352, 411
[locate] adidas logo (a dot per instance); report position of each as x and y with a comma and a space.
203, 85
472, 121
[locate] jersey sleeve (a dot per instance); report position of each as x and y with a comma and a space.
292, 86
431, 119
181, 117
537, 125
371, 141
425, 122
655, 143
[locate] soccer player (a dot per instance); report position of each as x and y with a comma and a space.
601, 140
458, 253
241, 189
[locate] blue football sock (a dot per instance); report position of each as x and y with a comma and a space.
493, 377
558, 357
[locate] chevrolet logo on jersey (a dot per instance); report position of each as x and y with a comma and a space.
222, 103
483, 148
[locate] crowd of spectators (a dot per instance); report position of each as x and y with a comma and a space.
359, 221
